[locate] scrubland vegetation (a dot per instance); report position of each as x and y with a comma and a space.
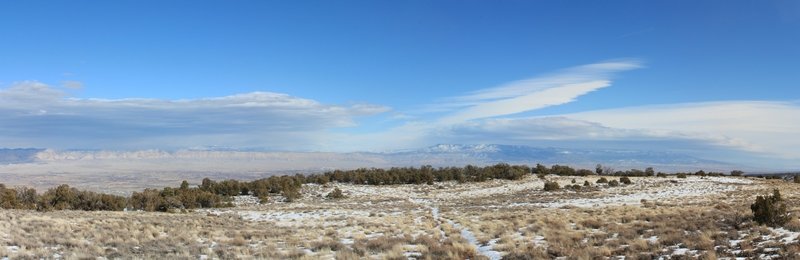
499, 211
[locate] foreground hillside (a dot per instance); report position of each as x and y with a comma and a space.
652, 217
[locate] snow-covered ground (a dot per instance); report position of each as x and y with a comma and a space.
649, 189
486, 250
414, 202
294, 219
493, 218
652, 189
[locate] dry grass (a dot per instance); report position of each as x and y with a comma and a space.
391, 222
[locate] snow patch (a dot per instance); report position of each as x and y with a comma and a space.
652, 189
786, 235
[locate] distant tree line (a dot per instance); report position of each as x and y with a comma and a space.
211, 194
422, 175
58, 198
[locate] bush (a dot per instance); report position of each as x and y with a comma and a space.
649, 171
8, 198
681, 175
737, 173
586, 183
625, 180
602, 180
584, 172
335, 194
613, 183
59, 198
541, 169
551, 186
661, 174
291, 195
770, 210
26, 198
574, 181
562, 170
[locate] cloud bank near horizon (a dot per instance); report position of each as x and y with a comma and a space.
35, 114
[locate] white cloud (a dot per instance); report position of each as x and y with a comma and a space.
34, 114
757, 133
767, 127
535, 93
527, 102
538, 128
27, 94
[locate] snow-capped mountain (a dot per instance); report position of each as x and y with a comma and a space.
495, 153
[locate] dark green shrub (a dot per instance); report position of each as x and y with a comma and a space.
184, 185
661, 175
562, 170
681, 175
8, 198
574, 181
613, 183
625, 180
291, 194
551, 186
26, 198
737, 173
649, 171
770, 210
59, 198
586, 183
335, 194
602, 180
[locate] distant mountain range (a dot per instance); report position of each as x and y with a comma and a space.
437, 155
19, 155
587, 158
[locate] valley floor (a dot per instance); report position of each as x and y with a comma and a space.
669, 218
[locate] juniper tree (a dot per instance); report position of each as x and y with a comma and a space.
770, 210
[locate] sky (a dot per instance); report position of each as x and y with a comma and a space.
717, 79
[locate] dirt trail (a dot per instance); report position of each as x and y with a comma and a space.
486, 250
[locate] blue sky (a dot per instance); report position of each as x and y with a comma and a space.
383, 75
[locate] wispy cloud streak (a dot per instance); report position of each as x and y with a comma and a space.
535, 93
